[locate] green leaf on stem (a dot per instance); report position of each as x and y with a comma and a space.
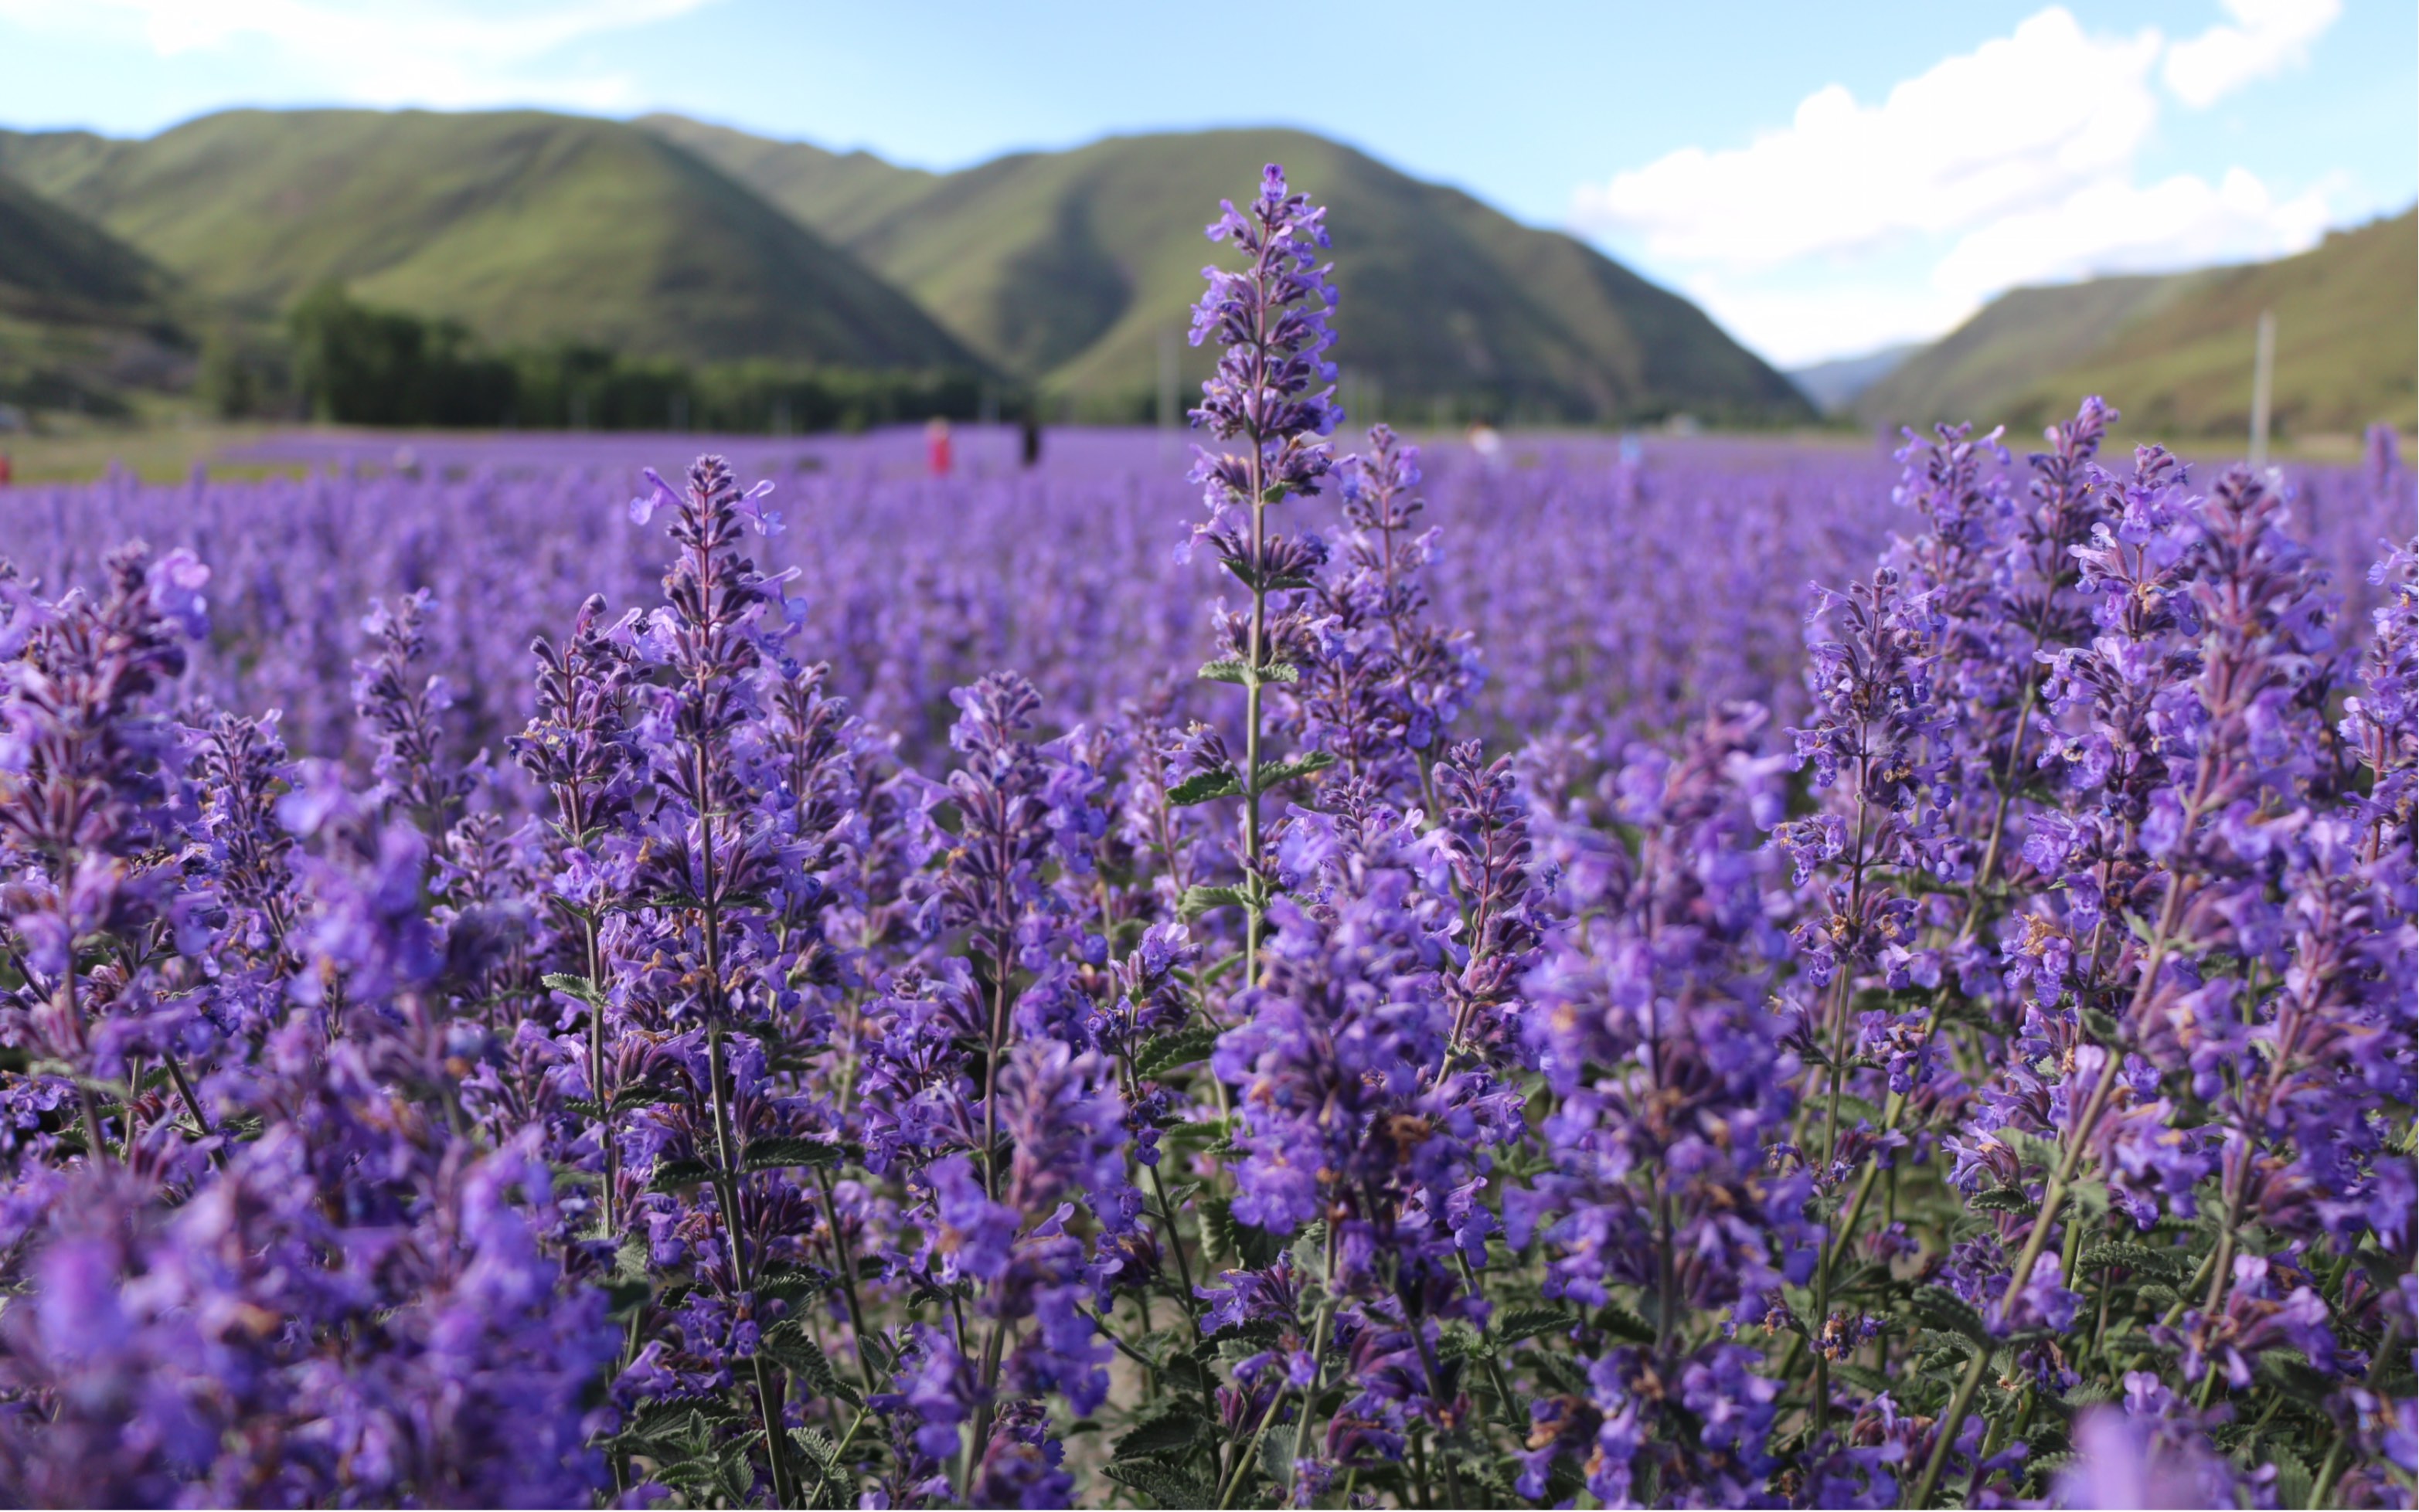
1528, 1322
575, 986
1199, 900
1170, 1432
679, 1175
784, 1152
1168, 1052
1202, 786
1235, 670
787, 1344
1273, 772
2132, 1257
1949, 1313
2003, 1200
1164, 1487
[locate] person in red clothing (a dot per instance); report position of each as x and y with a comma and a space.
4, 469
936, 447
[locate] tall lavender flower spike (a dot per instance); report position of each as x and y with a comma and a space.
1273, 390
713, 972
1384, 685
89, 811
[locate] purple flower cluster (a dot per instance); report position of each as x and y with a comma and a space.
1946, 1038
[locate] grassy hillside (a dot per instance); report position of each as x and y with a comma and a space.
834, 193
527, 227
1071, 268
82, 315
2174, 352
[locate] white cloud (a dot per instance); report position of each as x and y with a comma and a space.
2267, 36
1857, 225
447, 56
2113, 227
2021, 121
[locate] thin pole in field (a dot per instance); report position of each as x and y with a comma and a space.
2263, 371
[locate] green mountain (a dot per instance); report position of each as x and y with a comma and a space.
527, 227
2174, 351
1072, 269
82, 315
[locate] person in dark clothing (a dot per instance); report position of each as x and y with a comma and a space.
1029, 430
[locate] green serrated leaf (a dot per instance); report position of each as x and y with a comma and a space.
1199, 900
784, 1152
1273, 772
1194, 1131
1203, 785
1528, 1322
575, 986
1170, 1432
2048, 1465
1461, 1344
2292, 1374
679, 1175
1949, 1313
2132, 1257
1855, 1109
2002, 1200
1237, 671
791, 1348
793, 1283
2087, 1202
1277, 1454
1167, 1489
1864, 1378
816, 1445
2293, 1478
1171, 1051
1182, 1372
689, 1475
1559, 1371
676, 1422
738, 1478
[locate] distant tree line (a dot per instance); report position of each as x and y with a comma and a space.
348, 363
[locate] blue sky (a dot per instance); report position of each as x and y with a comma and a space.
1825, 179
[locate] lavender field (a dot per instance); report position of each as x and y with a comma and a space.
1328, 973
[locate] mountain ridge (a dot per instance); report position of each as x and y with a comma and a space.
1069, 267
82, 315
528, 227
2174, 350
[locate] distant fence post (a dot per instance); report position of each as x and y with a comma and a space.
2263, 371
